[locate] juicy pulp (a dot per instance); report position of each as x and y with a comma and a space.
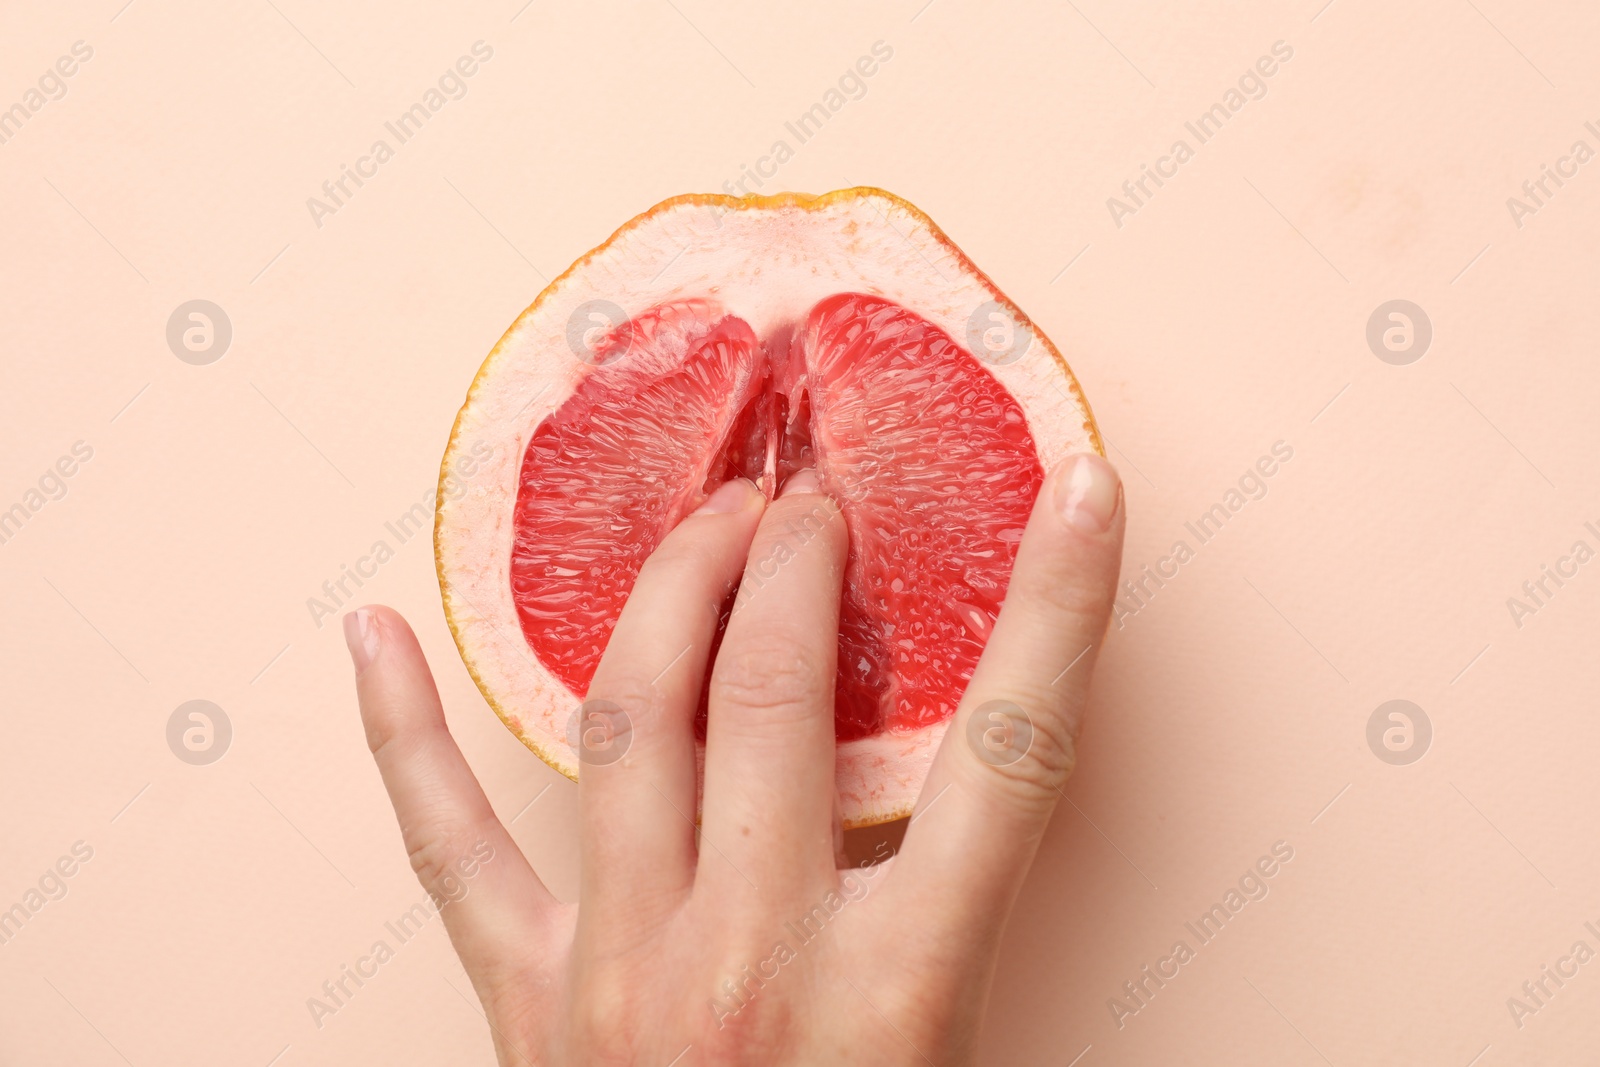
930, 459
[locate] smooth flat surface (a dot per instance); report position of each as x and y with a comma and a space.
1227, 312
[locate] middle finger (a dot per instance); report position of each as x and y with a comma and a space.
769, 788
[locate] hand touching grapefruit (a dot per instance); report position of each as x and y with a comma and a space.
715, 337
763, 502
745, 943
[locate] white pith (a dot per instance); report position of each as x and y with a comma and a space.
768, 264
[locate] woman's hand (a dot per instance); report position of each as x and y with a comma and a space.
745, 943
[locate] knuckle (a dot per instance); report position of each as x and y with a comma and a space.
1079, 598
436, 856
1025, 755
772, 677
606, 1012
679, 561
605, 1024
603, 729
392, 737
812, 511
692, 574
380, 732
628, 690
800, 526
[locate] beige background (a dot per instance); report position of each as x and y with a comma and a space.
1227, 314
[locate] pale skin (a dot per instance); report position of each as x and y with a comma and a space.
671, 954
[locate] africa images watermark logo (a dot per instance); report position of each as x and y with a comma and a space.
739, 991
997, 335
199, 332
1252, 887
1252, 85
403, 528
48, 88
851, 85
454, 883
600, 732
48, 888
1537, 592
599, 333
1138, 592
1399, 732
199, 732
1539, 991
451, 85
51, 486
1538, 191
1399, 332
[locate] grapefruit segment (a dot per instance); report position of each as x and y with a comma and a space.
936, 472
755, 337
607, 474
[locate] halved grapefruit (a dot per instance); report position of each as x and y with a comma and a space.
716, 336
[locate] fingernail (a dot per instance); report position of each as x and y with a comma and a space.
1088, 493
805, 481
730, 496
361, 634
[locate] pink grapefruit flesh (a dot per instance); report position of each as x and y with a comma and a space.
929, 458
761, 336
